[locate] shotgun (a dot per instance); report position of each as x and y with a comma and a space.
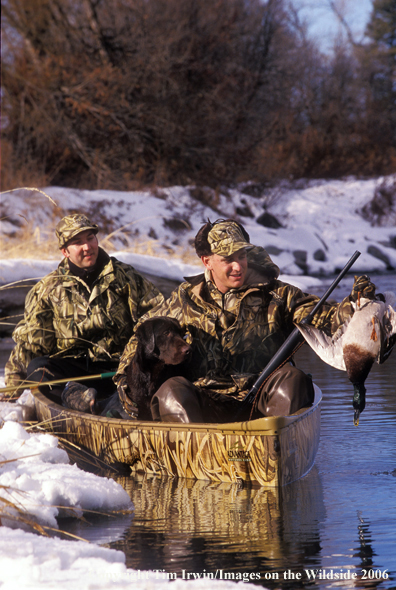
290, 344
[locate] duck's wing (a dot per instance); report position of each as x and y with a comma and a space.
388, 331
328, 348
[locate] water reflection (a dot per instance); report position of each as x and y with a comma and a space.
97, 528
340, 518
201, 526
365, 552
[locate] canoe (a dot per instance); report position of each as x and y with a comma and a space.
271, 451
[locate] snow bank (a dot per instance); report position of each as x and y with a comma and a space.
29, 562
318, 227
36, 475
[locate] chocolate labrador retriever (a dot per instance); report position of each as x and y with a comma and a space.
161, 353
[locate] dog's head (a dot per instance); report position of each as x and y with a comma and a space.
163, 338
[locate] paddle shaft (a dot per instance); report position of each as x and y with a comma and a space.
295, 338
35, 384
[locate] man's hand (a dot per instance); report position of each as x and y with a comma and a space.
363, 287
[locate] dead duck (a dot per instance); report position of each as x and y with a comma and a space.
367, 337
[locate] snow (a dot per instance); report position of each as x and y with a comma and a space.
321, 227
38, 484
30, 562
36, 477
39, 477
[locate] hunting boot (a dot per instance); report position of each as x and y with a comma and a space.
285, 392
177, 400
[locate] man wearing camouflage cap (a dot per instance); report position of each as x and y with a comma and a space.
236, 314
79, 318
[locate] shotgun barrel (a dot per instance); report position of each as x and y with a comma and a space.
290, 344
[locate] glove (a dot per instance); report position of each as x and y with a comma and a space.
122, 389
362, 287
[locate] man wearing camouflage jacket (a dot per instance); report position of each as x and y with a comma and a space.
79, 318
237, 315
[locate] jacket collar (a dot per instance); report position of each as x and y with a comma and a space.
104, 266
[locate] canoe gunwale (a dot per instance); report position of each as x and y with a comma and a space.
270, 452
266, 426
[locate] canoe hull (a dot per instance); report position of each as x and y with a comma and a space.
269, 451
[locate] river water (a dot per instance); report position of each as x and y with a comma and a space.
339, 520
335, 528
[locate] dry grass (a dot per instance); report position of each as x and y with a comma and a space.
34, 242
29, 245
30, 239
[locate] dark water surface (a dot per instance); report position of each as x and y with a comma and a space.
340, 520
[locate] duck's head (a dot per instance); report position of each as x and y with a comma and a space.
359, 401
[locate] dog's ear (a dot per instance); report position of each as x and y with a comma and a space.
145, 335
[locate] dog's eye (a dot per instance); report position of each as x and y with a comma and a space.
167, 332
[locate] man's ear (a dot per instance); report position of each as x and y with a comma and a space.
65, 252
207, 261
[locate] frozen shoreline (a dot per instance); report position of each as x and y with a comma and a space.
42, 487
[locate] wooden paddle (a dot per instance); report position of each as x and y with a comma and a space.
288, 347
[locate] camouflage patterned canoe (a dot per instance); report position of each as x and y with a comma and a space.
268, 451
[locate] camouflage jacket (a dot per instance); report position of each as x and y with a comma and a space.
64, 318
234, 335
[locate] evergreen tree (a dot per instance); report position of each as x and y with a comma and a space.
382, 26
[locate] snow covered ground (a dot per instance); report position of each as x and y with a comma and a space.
321, 226
37, 479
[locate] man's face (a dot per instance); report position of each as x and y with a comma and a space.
83, 249
227, 272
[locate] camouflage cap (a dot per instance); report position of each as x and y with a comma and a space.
225, 238
71, 225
